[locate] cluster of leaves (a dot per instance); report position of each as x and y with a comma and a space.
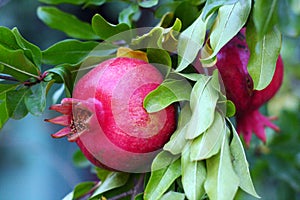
205, 152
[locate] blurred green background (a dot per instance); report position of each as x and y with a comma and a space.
35, 166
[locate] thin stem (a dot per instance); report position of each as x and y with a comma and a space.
139, 187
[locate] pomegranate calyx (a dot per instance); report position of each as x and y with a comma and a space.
254, 122
77, 115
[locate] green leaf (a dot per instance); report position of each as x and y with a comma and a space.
7, 87
177, 140
16, 64
187, 13
209, 143
160, 180
189, 43
66, 76
231, 18
203, 102
3, 110
193, 176
221, 182
66, 23
35, 101
240, 164
55, 2
212, 5
80, 160
166, 8
102, 174
263, 56
159, 56
114, 180
148, 3
7, 39
128, 14
264, 16
15, 103
173, 195
171, 34
68, 51
191, 76
152, 39
162, 160
31, 51
82, 189
12, 40
94, 2
139, 196
105, 29
230, 108
168, 92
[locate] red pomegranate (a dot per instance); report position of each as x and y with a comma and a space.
106, 118
232, 63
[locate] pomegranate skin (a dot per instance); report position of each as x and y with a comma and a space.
232, 63
112, 128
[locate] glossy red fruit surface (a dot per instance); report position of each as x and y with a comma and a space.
106, 118
232, 63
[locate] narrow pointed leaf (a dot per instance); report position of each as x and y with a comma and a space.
231, 18
213, 5
263, 56
177, 140
240, 164
189, 43
209, 143
264, 16
173, 195
203, 103
193, 176
114, 180
160, 180
222, 182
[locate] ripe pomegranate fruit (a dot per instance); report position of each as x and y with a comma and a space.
232, 63
106, 118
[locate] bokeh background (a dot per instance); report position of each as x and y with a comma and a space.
35, 166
